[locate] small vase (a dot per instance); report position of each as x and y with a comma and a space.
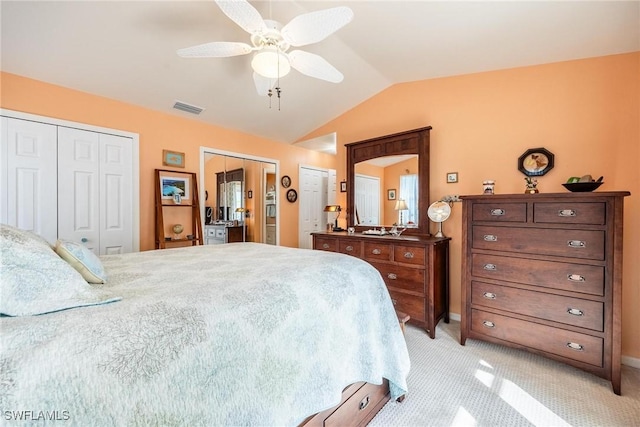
531, 191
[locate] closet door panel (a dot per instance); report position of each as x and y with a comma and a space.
116, 204
29, 184
78, 186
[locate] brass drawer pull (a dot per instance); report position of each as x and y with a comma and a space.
566, 213
576, 244
376, 251
490, 238
498, 212
364, 403
490, 267
575, 311
325, 246
392, 276
489, 324
408, 255
349, 248
489, 295
575, 278
575, 346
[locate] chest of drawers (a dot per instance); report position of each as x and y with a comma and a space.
543, 272
415, 270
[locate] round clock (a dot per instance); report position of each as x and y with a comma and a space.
438, 212
285, 181
292, 195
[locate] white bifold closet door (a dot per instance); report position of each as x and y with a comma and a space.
68, 183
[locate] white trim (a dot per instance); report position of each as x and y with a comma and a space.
634, 362
455, 316
135, 140
204, 150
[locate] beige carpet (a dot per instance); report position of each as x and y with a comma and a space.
483, 384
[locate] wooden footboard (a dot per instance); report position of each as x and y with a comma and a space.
360, 403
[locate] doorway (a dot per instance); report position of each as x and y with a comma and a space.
317, 190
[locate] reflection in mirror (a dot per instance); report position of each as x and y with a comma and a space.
241, 199
380, 184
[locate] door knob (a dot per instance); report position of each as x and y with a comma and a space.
84, 240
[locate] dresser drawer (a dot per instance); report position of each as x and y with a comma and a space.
357, 408
569, 213
377, 251
501, 212
408, 278
572, 345
587, 244
326, 244
587, 279
409, 254
410, 304
571, 311
350, 247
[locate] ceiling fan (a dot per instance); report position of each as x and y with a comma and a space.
271, 42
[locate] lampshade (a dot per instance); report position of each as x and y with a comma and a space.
271, 63
332, 208
401, 205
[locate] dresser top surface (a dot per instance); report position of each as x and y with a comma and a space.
386, 237
540, 196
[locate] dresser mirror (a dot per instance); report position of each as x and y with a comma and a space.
384, 172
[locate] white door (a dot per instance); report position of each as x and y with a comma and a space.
367, 200
94, 190
28, 187
312, 200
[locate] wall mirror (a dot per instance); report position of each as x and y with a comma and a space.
388, 181
240, 191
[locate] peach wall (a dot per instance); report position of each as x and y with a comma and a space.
586, 112
160, 131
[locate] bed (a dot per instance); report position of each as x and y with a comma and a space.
236, 334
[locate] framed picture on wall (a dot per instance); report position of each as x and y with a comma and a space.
174, 185
343, 186
391, 194
172, 158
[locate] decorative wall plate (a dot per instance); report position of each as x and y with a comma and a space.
292, 195
535, 162
285, 181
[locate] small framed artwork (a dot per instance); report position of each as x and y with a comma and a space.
292, 195
343, 186
535, 162
250, 194
391, 194
170, 186
285, 181
172, 158
452, 177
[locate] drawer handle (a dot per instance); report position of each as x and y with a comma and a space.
349, 248
490, 238
392, 276
376, 251
489, 324
566, 213
489, 295
408, 255
325, 246
490, 267
576, 278
364, 403
575, 311
575, 346
576, 244
498, 212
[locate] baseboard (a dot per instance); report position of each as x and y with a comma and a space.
634, 362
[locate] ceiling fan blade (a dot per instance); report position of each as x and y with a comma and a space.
215, 50
314, 65
263, 84
243, 14
315, 26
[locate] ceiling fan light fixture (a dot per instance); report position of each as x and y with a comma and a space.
271, 63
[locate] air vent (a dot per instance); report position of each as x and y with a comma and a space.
182, 106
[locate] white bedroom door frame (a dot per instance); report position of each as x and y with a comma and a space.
317, 189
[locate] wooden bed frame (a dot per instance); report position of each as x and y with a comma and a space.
361, 402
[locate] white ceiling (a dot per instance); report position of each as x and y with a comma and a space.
126, 50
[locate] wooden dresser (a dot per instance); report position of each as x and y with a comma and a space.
415, 270
543, 272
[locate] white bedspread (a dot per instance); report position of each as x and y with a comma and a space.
236, 334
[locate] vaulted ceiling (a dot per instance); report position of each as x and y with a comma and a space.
126, 50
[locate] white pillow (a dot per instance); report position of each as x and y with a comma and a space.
83, 260
35, 280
